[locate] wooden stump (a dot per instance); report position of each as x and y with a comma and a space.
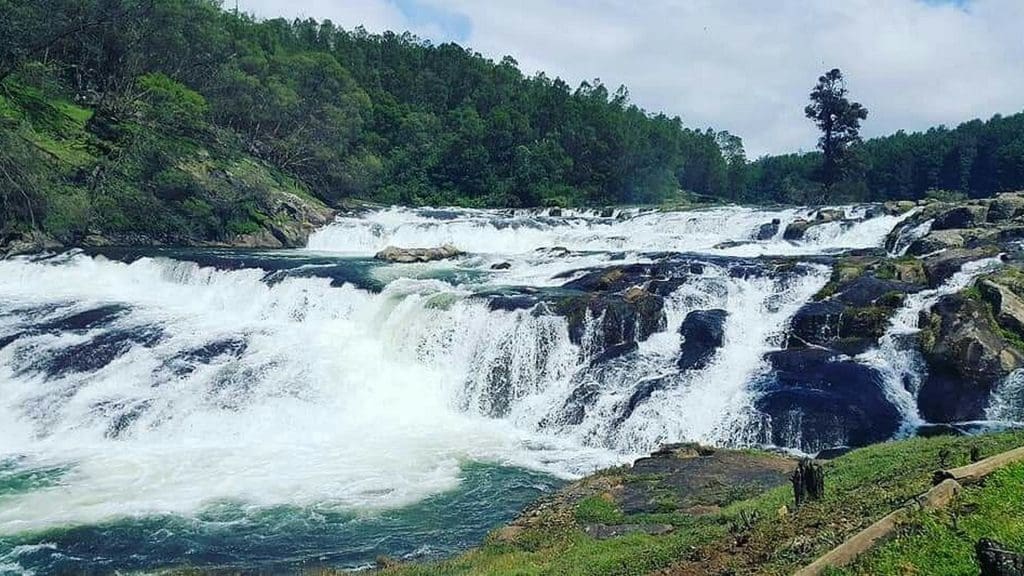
995, 560
808, 481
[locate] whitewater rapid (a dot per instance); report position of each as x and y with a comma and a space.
164, 383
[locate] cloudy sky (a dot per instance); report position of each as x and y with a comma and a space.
741, 65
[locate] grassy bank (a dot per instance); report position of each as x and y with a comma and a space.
941, 542
761, 534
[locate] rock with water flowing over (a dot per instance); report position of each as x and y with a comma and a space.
967, 356
852, 311
411, 255
816, 399
703, 333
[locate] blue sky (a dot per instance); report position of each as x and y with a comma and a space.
740, 65
453, 26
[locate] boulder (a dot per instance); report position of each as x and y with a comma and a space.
501, 266
935, 241
410, 255
830, 215
966, 356
997, 560
796, 229
1007, 307
969, 216
26, 243
618, 320
897, 207
1005, 207
703, 333
939, 267
768, 230
816, 400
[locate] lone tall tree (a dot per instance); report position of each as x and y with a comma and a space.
839, 122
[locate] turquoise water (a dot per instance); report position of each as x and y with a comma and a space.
282, 539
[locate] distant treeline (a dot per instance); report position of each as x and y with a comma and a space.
158, 87
974, 159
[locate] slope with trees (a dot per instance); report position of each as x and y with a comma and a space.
178, 121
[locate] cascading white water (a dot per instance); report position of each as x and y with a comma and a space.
186, 384
898, 359
490, 232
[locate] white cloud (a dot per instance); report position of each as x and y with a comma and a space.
748, 65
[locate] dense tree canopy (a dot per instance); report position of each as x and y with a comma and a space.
112, 110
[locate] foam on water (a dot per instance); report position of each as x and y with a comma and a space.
160, 386
897, 357
493, 232
327, 402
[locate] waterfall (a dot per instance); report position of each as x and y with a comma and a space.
167, 382
897, 356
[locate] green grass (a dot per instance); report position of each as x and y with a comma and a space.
941, 542
861, 487
598, 509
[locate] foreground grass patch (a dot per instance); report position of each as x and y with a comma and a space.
762, 534
941, 542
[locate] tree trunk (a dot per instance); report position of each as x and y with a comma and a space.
808, 481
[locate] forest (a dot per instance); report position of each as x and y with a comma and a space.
180, 118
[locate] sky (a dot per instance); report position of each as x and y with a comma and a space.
745, 66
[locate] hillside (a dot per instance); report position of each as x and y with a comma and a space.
178, 122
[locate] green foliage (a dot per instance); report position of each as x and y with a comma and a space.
114, 97
172, 105
839, 122
941, 542
598, 509
861, 487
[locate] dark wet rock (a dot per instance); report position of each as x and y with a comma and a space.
940, 267
868, 289
853, 310
185, 362
607, 213
1005, 207
768, 230
935, 430
619, 320
640, 395
796, 229
122, 415
691, 478
703, 333
966, 356
555, 212
816, 323
554, 251
995, 559
613, 352
95, 353
969, 216
833, 453
574, 411
410, 255
501, 266
85, 320
817, 400
511, 302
